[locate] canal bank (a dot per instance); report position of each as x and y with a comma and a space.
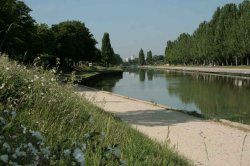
204, 142
214, 70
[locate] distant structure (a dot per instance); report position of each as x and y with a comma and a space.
130, 58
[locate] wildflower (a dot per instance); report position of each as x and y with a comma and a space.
37, 135
29, 87
2, 86
79, 156
36, 77
67, 153
102, 134
6, 111
2, 121
4, 158
87, 135
32, 149
83, 146
7, 147
91, 120
24, 129
117, 151
42, 93
13, 113
46, 152
7, 68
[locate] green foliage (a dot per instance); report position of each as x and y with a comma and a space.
73, 42
149, 57
70, 41
16, 29
71, 125
107, 50
224, 40
141, 58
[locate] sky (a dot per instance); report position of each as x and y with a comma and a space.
132, 24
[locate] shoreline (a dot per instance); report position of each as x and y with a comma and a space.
237, 125
209, 70
186, 134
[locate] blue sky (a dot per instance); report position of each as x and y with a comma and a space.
132, 24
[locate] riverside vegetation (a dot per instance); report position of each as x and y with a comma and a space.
43, 122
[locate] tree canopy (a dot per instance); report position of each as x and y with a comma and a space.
224, 40
21, 38
74, 41
149, 57
141, 57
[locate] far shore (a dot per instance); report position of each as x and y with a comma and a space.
227, 70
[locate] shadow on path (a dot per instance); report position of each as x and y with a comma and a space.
155, 117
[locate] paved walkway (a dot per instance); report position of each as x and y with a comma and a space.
204, 142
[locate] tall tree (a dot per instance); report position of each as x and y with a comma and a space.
224, 40
141, 58
74, 42
16, 28
107, 50
149, 57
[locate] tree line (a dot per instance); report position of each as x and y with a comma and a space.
224, 40
22, 39
149, 59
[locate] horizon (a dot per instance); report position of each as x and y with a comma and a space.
130, 31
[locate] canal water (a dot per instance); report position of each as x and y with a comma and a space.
213, 96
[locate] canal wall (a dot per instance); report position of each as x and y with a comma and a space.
210, 70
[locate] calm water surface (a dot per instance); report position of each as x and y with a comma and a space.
213, 96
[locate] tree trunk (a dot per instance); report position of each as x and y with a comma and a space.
236, 61
226, 62
247, 61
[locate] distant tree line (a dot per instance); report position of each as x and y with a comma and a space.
71, 41
225, 40
149, 59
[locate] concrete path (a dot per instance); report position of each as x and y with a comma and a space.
220, 70
204, 142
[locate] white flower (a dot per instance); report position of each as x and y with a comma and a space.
67, 153
4, 158
42, 93
13, 113
7, 68
79, 156
2, 86
36, 77
46, 152
7, 146
37, 135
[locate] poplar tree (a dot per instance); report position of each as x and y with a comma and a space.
107, 50
149, 57
141, 58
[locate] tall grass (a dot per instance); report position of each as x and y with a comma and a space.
67, 121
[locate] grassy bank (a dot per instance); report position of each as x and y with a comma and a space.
74, 131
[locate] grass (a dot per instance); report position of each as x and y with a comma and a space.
67, 121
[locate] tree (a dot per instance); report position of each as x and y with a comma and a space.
44, 40
224, 40
16, 29
107, 50
141, 58
149, 57
74, 42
